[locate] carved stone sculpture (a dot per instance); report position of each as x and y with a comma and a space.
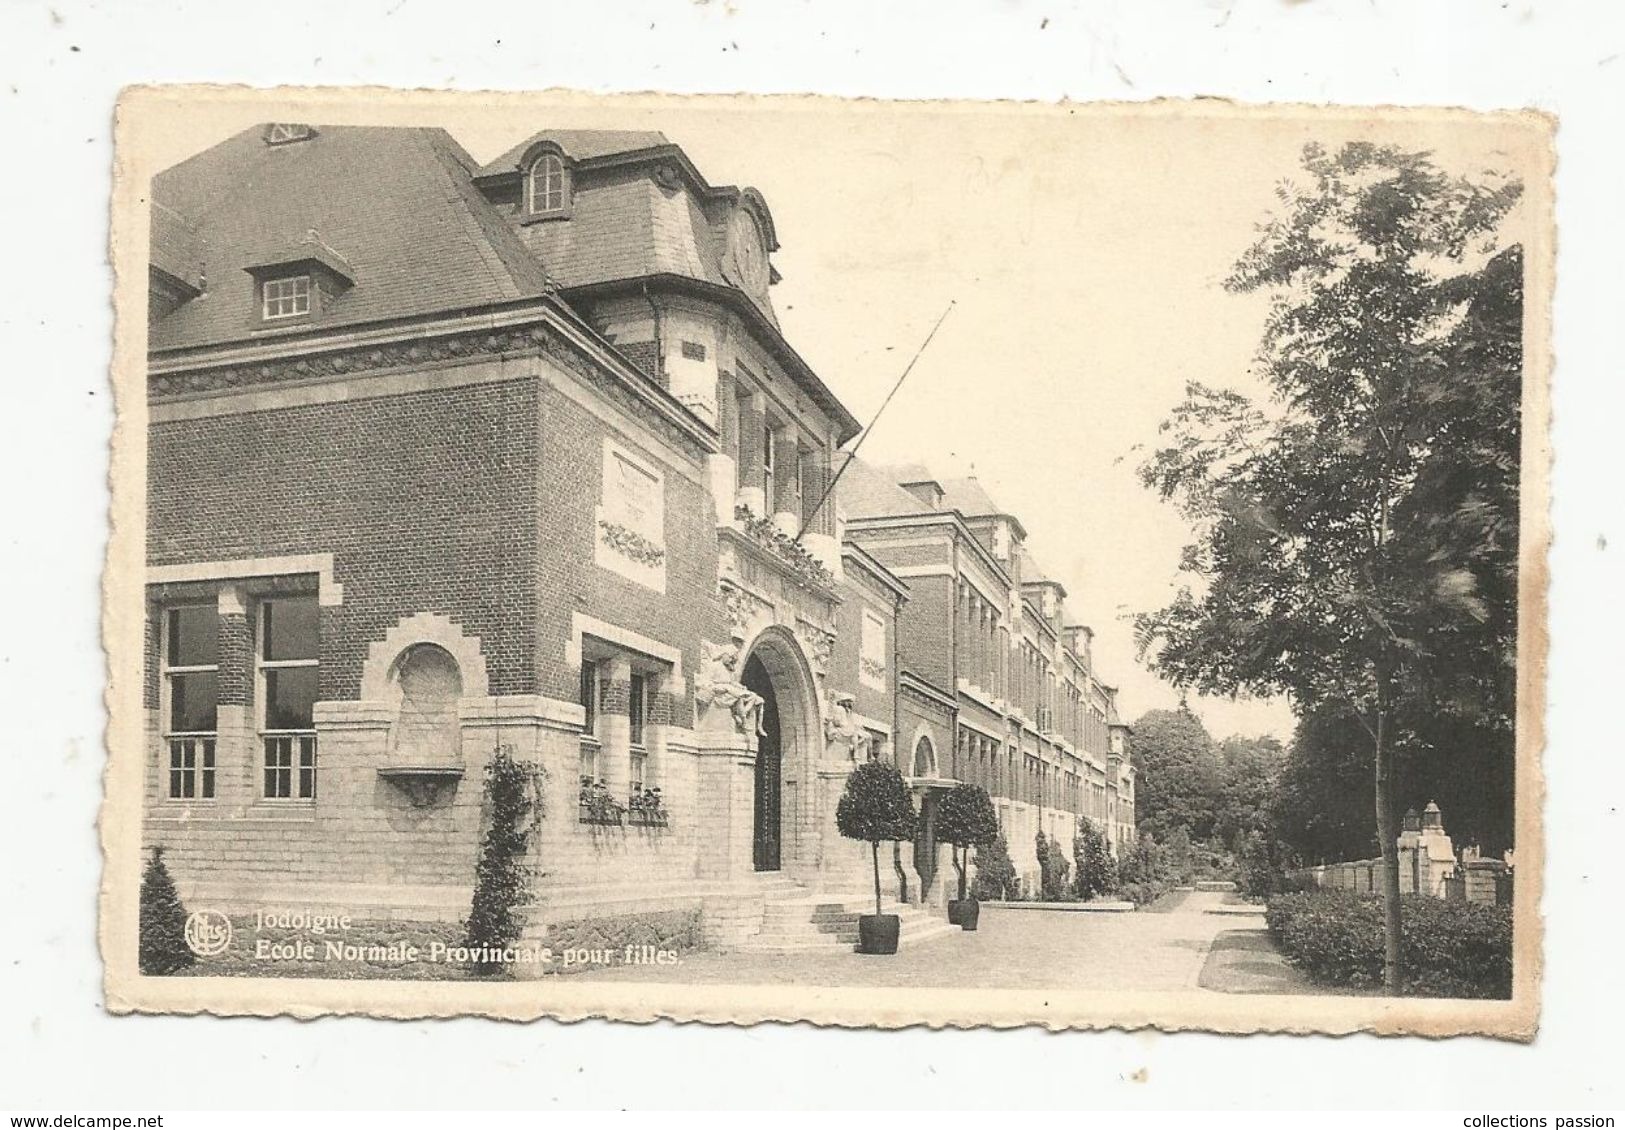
841, 726
718, 685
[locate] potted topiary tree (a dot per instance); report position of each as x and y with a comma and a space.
875, 806
965, 819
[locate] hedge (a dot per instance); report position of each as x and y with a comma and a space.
1449, 949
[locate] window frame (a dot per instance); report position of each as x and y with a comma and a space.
288, 756
591, 692
541, 187
296, 293
768, 468
192, 762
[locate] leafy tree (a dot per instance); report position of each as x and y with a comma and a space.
1176, 848
1356, 537
1097, 868
875, 806
966, 819
1178, 773
1325, 793
1256, 866
1321, 809
1249, 768
162, 945
1053, 867
995, 872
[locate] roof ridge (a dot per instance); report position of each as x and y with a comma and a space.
486, 232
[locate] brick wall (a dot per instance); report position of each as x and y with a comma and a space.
426, 501
569, 487
860, 593
926, 628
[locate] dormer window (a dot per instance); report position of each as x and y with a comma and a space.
548, 191
286, 297
300, 282
283, 133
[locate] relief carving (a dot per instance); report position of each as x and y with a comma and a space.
820, 645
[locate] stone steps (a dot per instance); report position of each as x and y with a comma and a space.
829, 924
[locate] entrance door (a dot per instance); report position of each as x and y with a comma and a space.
769, 772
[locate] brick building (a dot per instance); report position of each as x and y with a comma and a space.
447, 457
1034, 723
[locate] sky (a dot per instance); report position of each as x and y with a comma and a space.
1082, 250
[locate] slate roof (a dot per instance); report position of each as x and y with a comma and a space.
397, 204
968, 497
867, 491
578, 145
175, 247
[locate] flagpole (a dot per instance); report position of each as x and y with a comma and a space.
853, 454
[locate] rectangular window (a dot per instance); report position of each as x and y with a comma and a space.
588, 767
289, 666
589, 697
191, 768
286, 298
637, 708
191, 673
767, 468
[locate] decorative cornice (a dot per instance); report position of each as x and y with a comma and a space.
531, 332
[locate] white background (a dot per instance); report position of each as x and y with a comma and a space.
60, 69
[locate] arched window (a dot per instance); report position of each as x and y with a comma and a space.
925, 757
549, 185
427, 731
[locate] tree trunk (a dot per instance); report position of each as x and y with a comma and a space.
875, 848
960, 863
1387, 837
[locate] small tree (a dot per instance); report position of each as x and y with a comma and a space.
501, 878
1053, 867
965, 819
162, 949
1177, 852
1097, 868
995, 872
1144, 863
1255, 865
875, 806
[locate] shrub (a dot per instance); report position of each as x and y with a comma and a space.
995, 873
1143, 871
1142, 894
1257, 875
875, 806
1177, 856
965, 819
1448, 949
1143, 863
1097, 867
1053, 867
501, 877
162, 947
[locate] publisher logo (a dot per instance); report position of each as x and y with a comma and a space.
208, 932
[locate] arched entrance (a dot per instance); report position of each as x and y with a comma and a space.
767, 824
776, 670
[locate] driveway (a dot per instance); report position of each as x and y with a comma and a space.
1149, 950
